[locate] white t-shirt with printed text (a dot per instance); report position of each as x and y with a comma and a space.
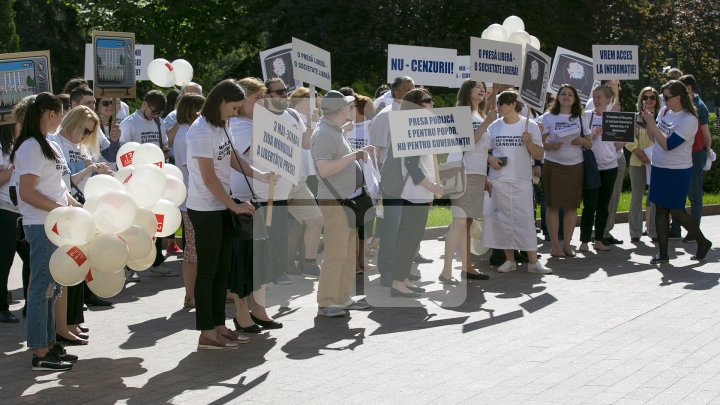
605, 151
206, 141
684, 125
136, 128
562, 128
506, 141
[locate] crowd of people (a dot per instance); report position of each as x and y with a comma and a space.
59, 142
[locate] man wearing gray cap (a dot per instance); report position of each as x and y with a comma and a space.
340, 178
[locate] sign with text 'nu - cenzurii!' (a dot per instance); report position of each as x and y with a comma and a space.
427, 66
276, 144
311, 64
495, 61
615, 62
431, 131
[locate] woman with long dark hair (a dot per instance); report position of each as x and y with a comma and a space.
40, 167
673, 134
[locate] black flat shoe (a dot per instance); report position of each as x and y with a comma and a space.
420, 259
8, 317
248, 329
415, 289
397, 293
70, 342
83, 329
266, 324
475, 276
448, 281
659, 259
83, 336
702, 250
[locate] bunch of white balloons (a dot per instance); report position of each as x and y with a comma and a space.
118, 224
165, 74
511, 30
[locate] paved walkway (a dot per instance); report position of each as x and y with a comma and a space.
603, 328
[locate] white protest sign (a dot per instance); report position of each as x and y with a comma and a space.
276, 144
536, 74
462, 71
572, 68
311, 64
615, 62
427, 66
144, 54
431, 131
495, 61
277, 62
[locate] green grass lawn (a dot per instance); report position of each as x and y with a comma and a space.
441, 216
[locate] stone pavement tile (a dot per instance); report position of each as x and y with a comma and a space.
701, 397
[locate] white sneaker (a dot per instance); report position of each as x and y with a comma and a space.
506, 267
583, 247
538, 267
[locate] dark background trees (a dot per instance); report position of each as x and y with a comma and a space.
222, 38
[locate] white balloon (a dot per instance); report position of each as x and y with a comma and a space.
91, 204
172, 170
147, 185
168, 217
183, 72
496, 32
144, 263
534, 42
105, 285
513, 23
69, 264
123, 175
175, 191
484, 34
108, 253
161, 73
99, 184
145, 219
76, 226
519, 37
51, 230
148, 153
138, 242
115, 212
125, 154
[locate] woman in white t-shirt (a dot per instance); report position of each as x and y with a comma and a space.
470, 204
40, 167
510, 223
672, 163
188, 109
209, 206
596, 202
563, 167
419, 190
256, 263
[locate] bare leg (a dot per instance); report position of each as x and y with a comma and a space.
189, 272
552, 219
452, 239
242, 313
257, 304
532, 256
569, 221
510, 255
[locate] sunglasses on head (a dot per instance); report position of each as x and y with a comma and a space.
650, 97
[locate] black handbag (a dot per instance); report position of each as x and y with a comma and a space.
591, 178
359, 206
243, 226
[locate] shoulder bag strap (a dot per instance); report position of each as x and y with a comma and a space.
252, 192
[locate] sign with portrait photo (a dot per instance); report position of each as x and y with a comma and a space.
536, 74
114, 67
22, 74
574, 69
277, 63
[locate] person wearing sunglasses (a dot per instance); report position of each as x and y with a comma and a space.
145, 125
672, 163
649, 100
511, 226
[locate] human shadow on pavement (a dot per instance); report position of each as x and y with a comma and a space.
405, 319
693, 278
148, 333
327, 334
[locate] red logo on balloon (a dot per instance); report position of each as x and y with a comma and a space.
54, 229
160, 220
89, 277
126, 159
77, 255
158, 164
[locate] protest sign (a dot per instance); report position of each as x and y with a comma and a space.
572, 68
311, 64
427, 66
615, 62
536, 74
114, 65
277, 62
424, 131
495, 61
462, 70
144, 54
618, 126
276, 144
22, 74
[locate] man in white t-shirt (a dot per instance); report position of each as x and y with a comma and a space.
144, 125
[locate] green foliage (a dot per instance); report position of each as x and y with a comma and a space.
9, 40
